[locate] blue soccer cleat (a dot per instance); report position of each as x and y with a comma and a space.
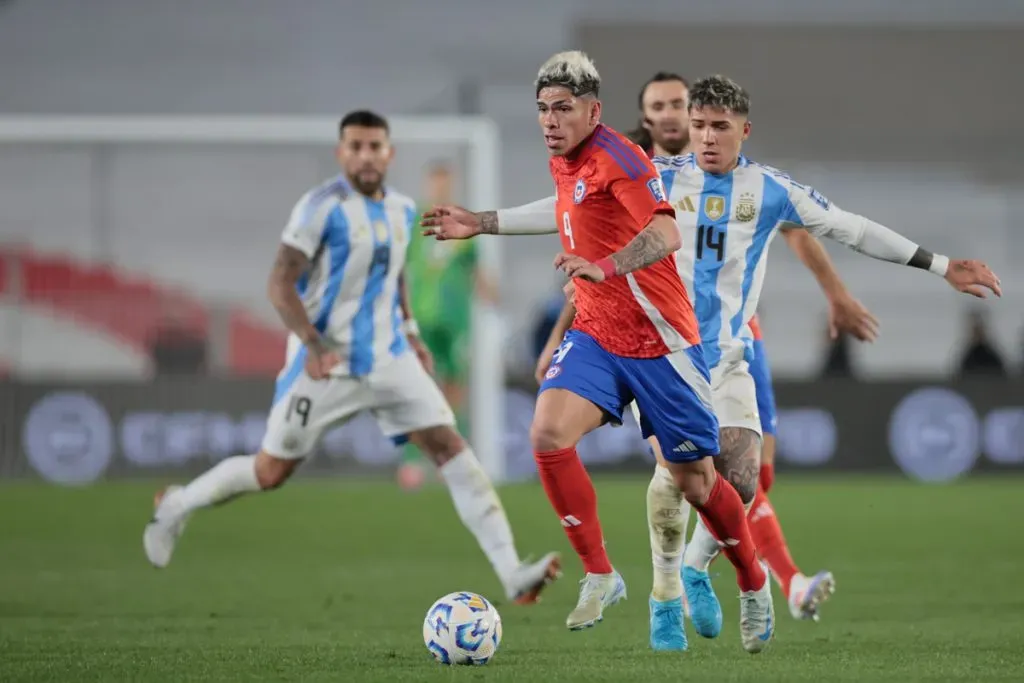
705, 610
667, 632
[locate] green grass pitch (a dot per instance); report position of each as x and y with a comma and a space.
329, 581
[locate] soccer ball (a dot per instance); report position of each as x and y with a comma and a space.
462, 628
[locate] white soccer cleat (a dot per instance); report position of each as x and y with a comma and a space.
757, 618
807, 593
597, 591
530, 578
163, 530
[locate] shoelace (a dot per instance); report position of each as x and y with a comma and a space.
676, 617
749, 601
702, 585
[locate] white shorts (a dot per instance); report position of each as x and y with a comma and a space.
733, 397
402, 396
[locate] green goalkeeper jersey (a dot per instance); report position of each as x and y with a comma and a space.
441, 280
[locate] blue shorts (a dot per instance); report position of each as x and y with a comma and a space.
757, 359
673, 392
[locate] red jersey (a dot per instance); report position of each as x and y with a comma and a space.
606, 194
755, 328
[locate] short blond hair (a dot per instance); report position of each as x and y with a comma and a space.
572, 70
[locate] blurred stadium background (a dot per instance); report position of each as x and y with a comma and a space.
150, 153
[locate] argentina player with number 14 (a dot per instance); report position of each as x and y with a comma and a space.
635, 336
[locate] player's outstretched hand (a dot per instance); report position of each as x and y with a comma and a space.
972, 277
846, 315
450, 223
575, 266
320, 362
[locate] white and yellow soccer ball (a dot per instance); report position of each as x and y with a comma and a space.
462, 628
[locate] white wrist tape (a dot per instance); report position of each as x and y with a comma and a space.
410, 327
940, 264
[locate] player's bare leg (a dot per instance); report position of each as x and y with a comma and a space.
723, 515
668, 515
225, 481
559, 422
411, 473
480, 509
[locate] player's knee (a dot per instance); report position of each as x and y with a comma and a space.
440, 443
547, 435
272, 472
694, 479
739, 460
745, 485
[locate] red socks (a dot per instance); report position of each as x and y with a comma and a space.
726, 519
767, 477
771, 544
572, 495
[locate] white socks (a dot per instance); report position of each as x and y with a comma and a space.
703, 548
480, 510
668, 515
229, 478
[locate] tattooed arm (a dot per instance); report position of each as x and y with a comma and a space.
456, 223
659, 239
289, 266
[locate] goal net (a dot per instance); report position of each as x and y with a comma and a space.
112, 226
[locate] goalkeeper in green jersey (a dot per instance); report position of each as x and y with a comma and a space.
443, 280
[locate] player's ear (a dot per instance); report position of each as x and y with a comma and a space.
746, 129
595, 113
337, 151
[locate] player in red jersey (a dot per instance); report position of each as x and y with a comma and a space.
803, 593
635, 337
662, 105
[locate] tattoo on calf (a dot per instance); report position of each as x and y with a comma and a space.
739, 460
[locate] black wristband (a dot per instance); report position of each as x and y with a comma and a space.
922, 259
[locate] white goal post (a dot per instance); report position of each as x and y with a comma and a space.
478, 137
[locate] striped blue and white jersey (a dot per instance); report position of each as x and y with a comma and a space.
356, 246
728, 222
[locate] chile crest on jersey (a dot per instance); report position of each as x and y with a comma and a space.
579, 192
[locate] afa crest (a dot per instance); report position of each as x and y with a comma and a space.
746, 208
714, 206
580, 191
380, 231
